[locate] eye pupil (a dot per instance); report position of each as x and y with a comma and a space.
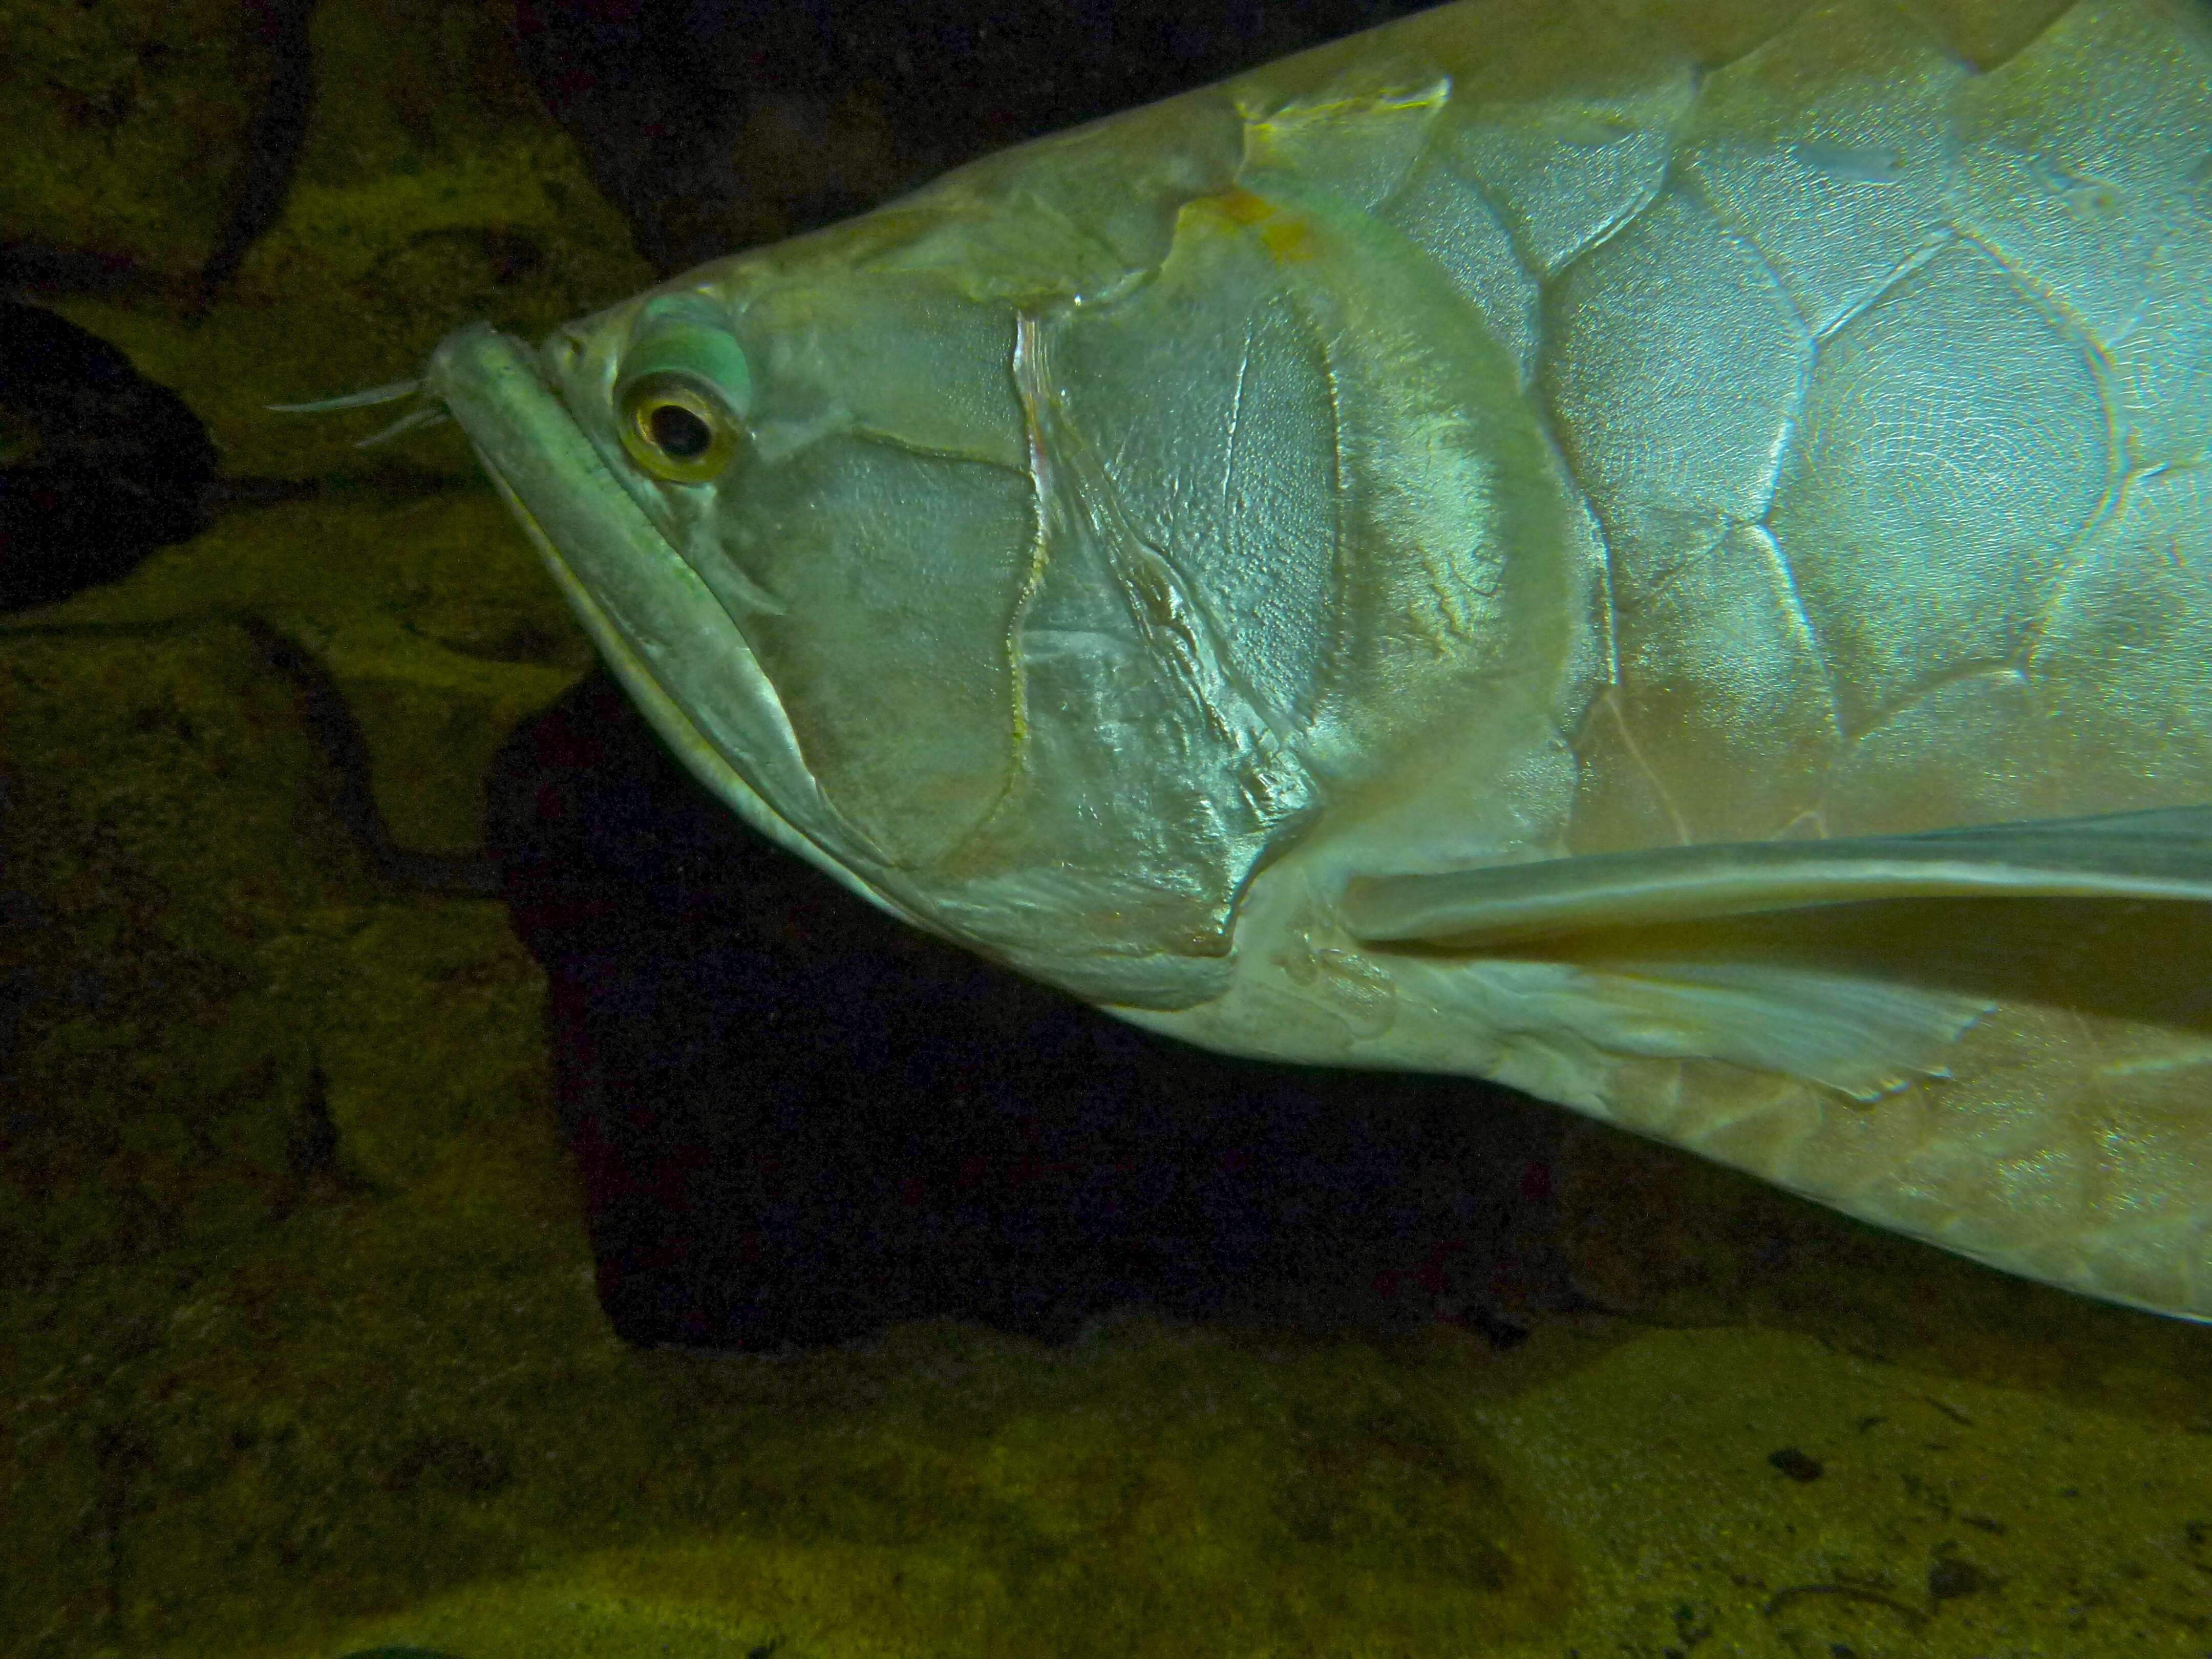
677, 432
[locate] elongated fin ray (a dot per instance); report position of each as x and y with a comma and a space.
1724, 952
2162, 854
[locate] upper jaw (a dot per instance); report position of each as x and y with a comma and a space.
656, 623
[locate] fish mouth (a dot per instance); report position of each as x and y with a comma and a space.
655, 621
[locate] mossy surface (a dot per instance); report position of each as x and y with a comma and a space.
127, 123
298, 1334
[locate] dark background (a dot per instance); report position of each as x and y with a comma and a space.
713, 124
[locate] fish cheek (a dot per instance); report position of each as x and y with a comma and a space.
897, 575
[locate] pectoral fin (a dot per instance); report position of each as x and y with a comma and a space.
1853, 963
2163, 854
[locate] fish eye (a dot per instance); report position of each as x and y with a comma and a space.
682, 396
677, 428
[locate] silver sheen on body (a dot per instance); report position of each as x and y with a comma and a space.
1668, 565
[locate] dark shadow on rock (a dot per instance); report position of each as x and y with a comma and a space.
797, 1120
99, 465
263, 183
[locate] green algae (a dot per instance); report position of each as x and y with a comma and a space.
427, 613
1928, 1514
1162, 1492
127, 123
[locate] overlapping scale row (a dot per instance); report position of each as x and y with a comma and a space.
1885, 360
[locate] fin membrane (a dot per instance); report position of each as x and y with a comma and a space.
1738, 951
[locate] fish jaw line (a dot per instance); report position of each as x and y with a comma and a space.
655, 623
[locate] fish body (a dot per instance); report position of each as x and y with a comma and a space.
1663, 560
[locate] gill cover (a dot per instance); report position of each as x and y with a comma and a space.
898, 606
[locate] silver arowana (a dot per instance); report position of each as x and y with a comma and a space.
1663, 560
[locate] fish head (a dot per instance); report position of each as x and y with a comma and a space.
819, 513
